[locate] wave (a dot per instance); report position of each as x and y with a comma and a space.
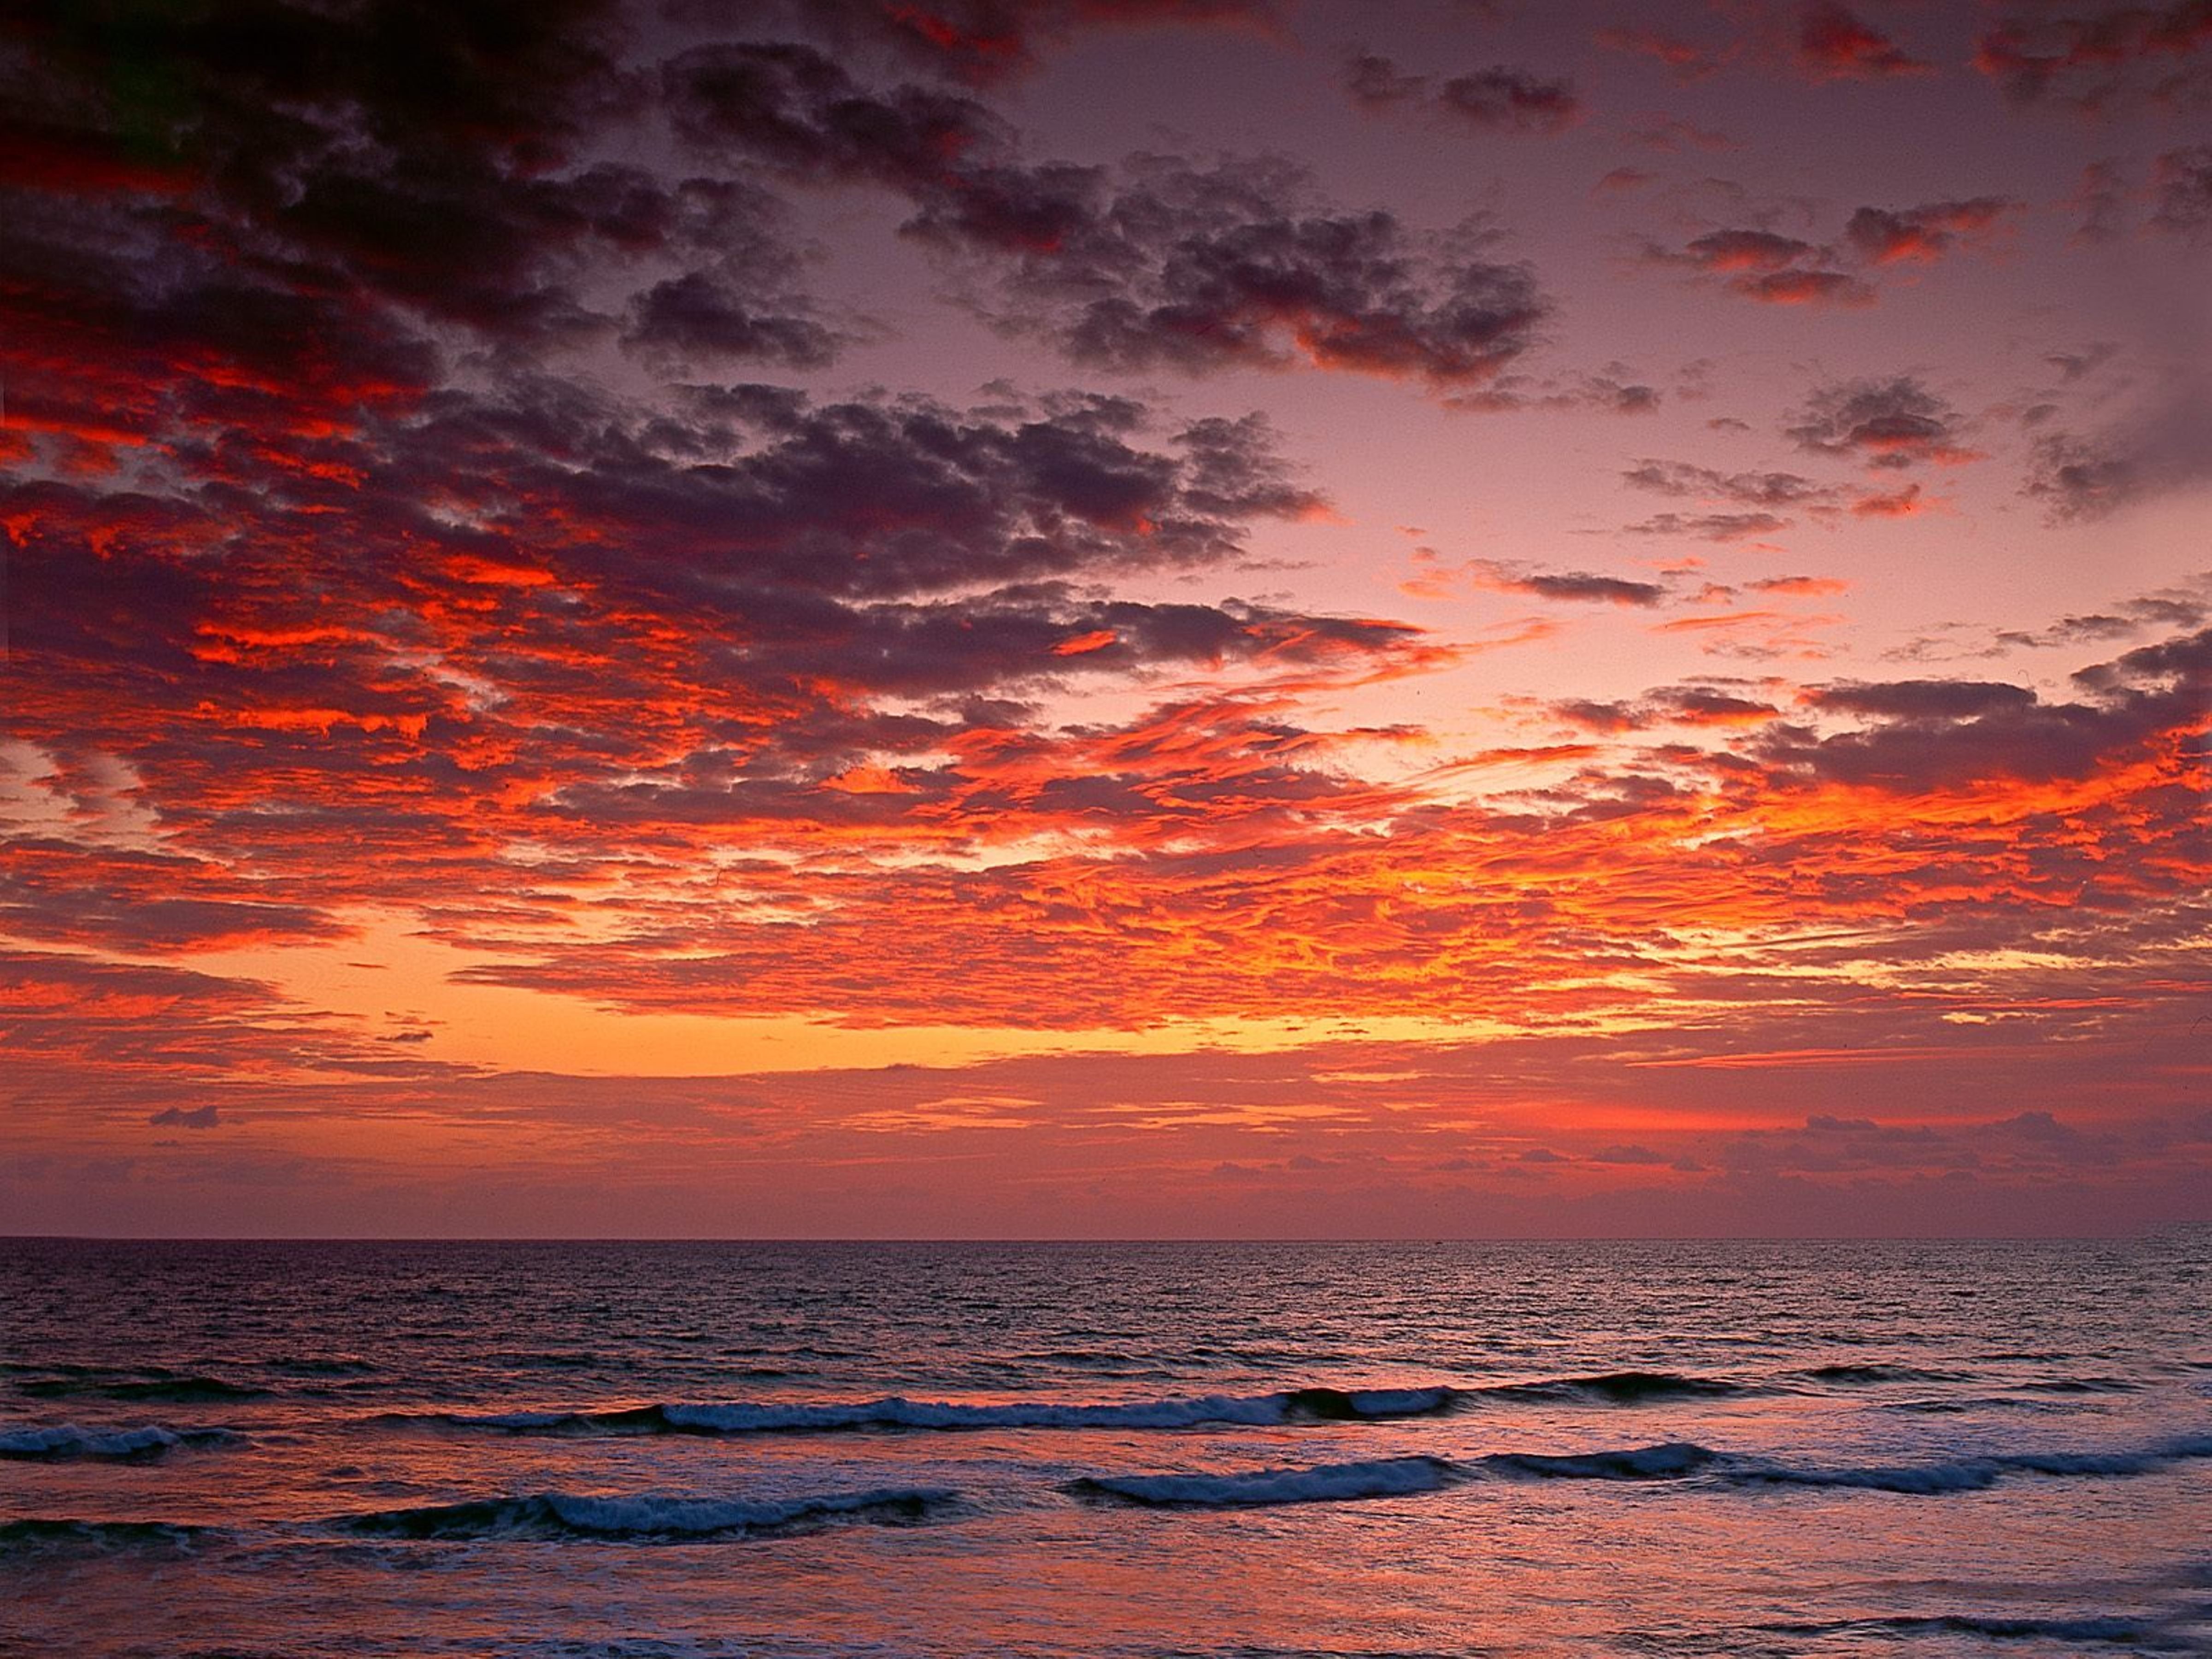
1868, 1375
1619, 1387
168, 1388
1977, 1473
645, 1518
38, 1537
1260, 1411
1669, 1461
2130, 1633
1389, 1477
67, 1440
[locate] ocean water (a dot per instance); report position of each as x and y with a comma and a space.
657, 1451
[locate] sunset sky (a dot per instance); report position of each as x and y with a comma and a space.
1105, 617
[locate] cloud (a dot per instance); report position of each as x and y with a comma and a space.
1495, 100
2162, 448
1160, 265
2101, 61
1685, 60
1710, 527
693, 320
2184, 192
1834, 44
1761, 489
194, 1117
1897, 422
979, 42
1889, 236
1568, 585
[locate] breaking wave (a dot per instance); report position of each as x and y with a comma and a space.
1268, 1410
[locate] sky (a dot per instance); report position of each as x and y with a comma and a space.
1105, 618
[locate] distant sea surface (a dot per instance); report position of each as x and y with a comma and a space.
1162, 1451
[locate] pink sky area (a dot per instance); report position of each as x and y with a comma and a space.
1180, 618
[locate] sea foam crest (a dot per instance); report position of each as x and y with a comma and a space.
67, 1440
1978, 1473
646, 1516
1389, 1477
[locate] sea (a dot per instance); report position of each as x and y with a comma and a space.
600, 1450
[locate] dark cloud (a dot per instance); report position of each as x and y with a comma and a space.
1925, 700
976, 42
1833, 43
1922, 735
1570, 585
693, 319
1897, 422
2184, 192
2164, 446
1710, 527
1161, 265
1765, 265
1685, 60
1887, 236
188, 1117
1761, 490
2102, 202
1496, 100
2078, 480
2101, 61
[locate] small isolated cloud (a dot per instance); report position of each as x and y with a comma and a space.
1710, 526
181, 1117
2184, 192
1574, 585
1892, 236
1835, 44
1897, 422
1494, 100
1685, 60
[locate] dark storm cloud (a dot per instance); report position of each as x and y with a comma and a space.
1495, 100
2101, 61
1157, 264
1834, 43
1897, 422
